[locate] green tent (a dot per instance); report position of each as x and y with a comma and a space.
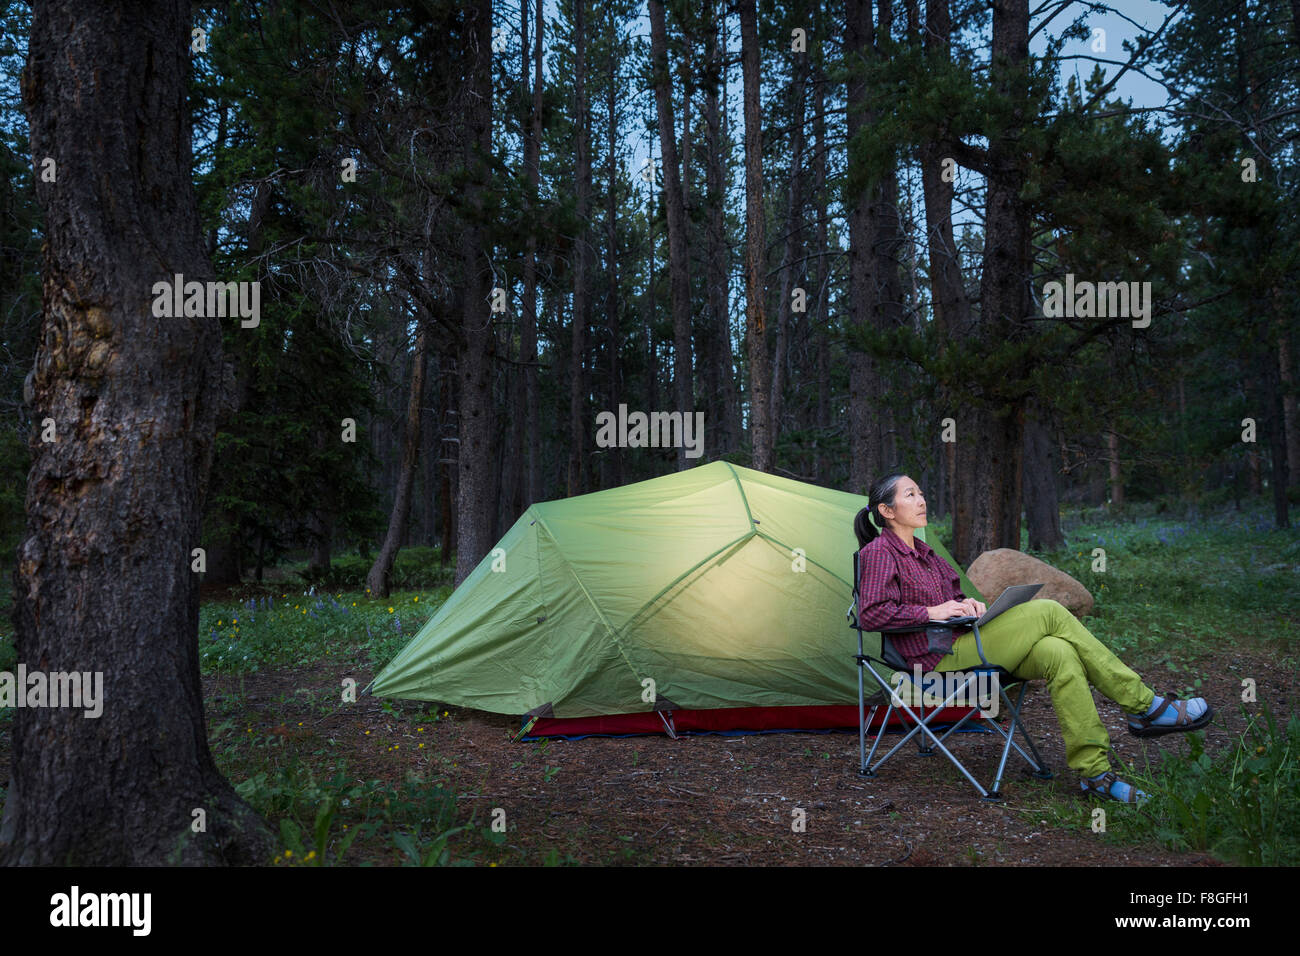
716, 587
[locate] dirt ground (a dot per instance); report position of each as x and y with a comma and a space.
731, 800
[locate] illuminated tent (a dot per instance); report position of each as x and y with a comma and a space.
708, 599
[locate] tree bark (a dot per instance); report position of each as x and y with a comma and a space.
379, 580
612, 297
678, 265
1042, 508
760, 429
719, 380
821, 319
577, 482
865, 448
793, 245
990, 436
1287, 384
528, 320
476, 491
114, 503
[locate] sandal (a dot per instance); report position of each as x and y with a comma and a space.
1146, 727
1101, 786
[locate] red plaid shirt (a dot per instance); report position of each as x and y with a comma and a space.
897, 585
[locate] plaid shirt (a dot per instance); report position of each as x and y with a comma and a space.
897, 585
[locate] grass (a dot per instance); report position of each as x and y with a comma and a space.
301, 628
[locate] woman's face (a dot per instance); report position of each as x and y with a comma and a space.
909, 505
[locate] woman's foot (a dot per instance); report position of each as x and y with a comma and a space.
1169, 716
1110, 786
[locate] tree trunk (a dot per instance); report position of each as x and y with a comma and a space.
445, 448
678, 265
577, 483
379, 580
819, 293
990, 438
760, 428
865, 450
114, 503
1115, 482
1287, 383
612, 298
793, 245
719, 381
476, 491
528, 320
1042, 509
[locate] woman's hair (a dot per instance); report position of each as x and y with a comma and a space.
881, 493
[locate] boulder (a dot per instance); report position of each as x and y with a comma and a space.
995, 571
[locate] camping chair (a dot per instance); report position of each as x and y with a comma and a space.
888, 656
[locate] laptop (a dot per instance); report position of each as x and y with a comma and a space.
1012, 596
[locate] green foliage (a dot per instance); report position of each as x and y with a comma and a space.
303, 629
1242, 805
319, 820
413, 568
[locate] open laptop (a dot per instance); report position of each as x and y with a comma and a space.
1016, 594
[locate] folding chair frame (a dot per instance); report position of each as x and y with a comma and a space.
890, 657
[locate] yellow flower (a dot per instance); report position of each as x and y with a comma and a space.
354, 603
421, 746
218, 624
304, 610
311, 855
288, 853
390, 610
367, 733
446, 714
417, 598
367, 590
300, 723
419, 730
397, 746
235, 621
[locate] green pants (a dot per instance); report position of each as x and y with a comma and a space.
1042, 640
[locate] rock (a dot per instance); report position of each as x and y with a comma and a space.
995, 571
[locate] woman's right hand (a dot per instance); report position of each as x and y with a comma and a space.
942, 612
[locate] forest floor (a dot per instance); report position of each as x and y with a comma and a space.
732, 800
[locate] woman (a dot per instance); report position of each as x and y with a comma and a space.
905, 582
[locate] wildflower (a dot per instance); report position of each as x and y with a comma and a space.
421, 746
311, 855
390, 610
288, 853
367, 733
218, 624
235, 621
